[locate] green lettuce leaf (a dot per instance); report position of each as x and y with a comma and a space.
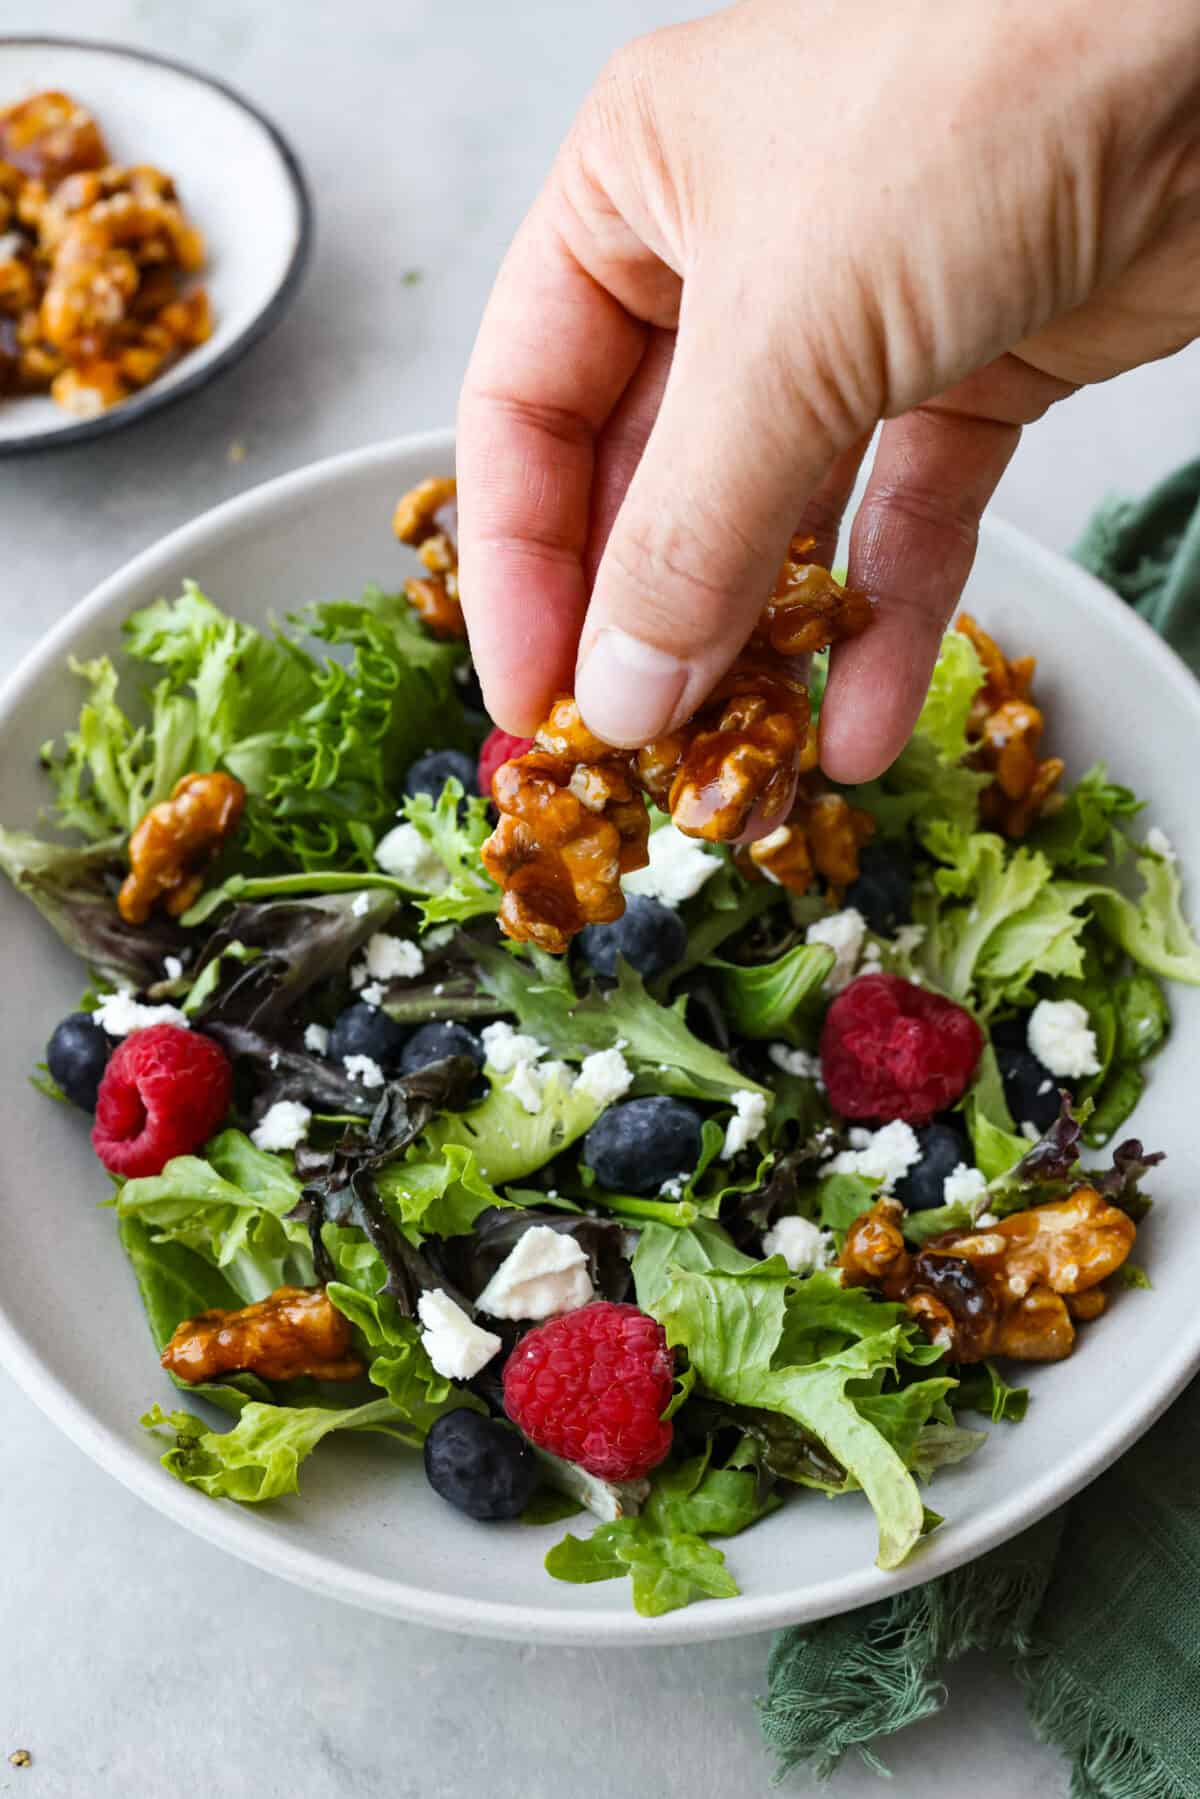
439, 1197
230, 1207
762, 998
665, 1055
397, 1361
801, 1348
505, 1140
1086, 826
982, 1389
259, 1458
108, 772
1153, 930
997, 1146
664, 1549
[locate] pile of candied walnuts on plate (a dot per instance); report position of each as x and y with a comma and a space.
96, 262
573, 815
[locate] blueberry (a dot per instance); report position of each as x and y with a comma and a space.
1029, 1087
430, 772
883, 890
77, 1055
649, 935
636, 1146
363, 1030
434, 1042
942, 1149
481, 1465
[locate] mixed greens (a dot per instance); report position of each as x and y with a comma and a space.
384, 1182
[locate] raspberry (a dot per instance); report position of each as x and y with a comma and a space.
165, 1090
497, 747
592, 1386
891, 1049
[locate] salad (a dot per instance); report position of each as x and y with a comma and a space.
758, 1188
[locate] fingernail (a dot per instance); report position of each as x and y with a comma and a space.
627, 690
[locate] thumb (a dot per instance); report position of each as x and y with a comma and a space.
696, 545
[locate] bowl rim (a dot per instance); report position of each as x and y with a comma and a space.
153, 398
227, 1527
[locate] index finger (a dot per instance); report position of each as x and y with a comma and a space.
554, 353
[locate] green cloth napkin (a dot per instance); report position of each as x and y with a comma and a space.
1098, 1606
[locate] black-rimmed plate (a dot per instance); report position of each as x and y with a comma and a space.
237, 177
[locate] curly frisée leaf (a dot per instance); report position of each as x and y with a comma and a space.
469, 891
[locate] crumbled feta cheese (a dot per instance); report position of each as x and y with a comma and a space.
1061, 1038
407, 856
677, 869
390, 958
456, 1346
908, 938
886, 1156
362, 904
748, 1122
872, 954
316, 1039
803, 1245
172, 967
986, 1220
504, 1047
372, 994
794, 1061
282, 1126
674, 1187
544, 1273
1030, 1131
859, 1137
119, 1014
1158, 841
273, 1059
365, 1069
845, 933
358, 975
605, 1076
524, 1085
964, 1183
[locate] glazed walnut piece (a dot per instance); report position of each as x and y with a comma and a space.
49, 136
738, 758
1013, 1289
572, 822
427, 518
174, 844
295, 1331
1006, 728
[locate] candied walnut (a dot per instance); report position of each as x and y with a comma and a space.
94, 274
1006, 729
1014, 1289
427, 518
822, 837
174, 844
295, 1331
739, 758
809, 609
49, 136
572, 822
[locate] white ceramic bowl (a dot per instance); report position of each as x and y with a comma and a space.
366, 1528
237, 178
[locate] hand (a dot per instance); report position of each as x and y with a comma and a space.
766, 232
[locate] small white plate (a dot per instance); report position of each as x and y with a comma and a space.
239, 182
366, 1527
